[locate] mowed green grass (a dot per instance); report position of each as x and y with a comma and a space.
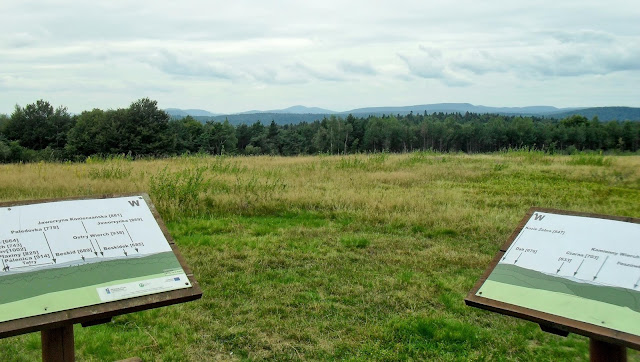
365, 257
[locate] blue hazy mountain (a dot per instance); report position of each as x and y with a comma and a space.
298, 113
603, 113
295, 110
190, 112
455, 108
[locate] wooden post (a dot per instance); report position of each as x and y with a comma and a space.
600, 351
57, 344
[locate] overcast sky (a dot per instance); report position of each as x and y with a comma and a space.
233, 56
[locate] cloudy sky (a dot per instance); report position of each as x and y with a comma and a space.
233, 56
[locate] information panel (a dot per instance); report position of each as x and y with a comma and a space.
579, 268
63, 255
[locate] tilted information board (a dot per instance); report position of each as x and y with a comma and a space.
86, 260
570, 272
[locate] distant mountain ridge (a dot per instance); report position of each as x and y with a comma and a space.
456, 108
190, 112
603, 113
296, 110
298, 113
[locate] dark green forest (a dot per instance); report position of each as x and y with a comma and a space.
39, 131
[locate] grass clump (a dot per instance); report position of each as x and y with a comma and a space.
355, 242
447, 334
369, 162
109, 172
589, 159
178, 192
223, 165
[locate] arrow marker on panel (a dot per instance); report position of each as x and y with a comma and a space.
99, 248
93, 247
579, 266
4, 266
637, 283
130, 238
518, 258
514, 242
125, 252
560, 267
127, 230
47, 240
605, 260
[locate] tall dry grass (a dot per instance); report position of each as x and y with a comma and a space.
419, 189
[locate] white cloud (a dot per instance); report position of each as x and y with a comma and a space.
266, 75
430, 63
319, 74
546, 55
189, 66
361, 68
249, 54
582, 36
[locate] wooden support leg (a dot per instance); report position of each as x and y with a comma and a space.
58, 345
603, 351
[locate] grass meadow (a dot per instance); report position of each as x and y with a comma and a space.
361, 257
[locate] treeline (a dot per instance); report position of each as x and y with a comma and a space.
39, 131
